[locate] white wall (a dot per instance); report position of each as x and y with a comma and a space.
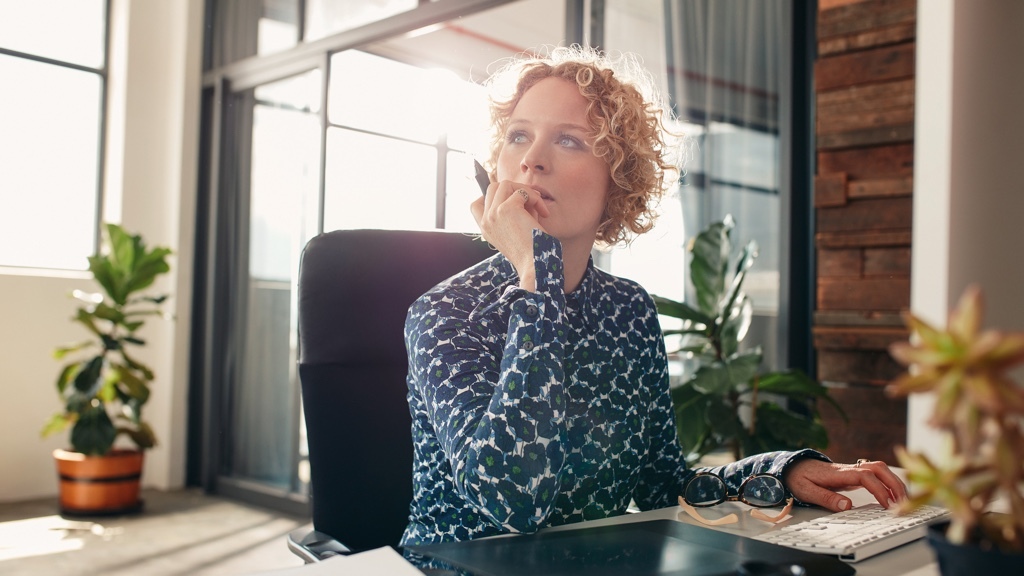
150, 180
968, 168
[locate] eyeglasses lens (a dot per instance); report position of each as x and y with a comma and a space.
763, 491
705, 490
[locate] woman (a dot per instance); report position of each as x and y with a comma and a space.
538, 384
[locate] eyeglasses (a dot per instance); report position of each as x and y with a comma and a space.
760, 490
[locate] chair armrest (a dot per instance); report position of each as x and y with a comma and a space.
313, 546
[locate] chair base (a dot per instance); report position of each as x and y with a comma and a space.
313, 546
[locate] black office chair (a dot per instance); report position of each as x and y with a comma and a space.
354, 289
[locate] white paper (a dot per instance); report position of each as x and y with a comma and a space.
379, 562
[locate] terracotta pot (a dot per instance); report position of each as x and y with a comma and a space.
970, 560
99, 485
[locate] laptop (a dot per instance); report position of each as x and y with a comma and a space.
654, 547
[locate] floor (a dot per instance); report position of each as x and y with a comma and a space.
180, 532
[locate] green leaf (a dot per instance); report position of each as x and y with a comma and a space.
735, 328
134, 386
107, 391
143, 435
731, 304
789, 431
710, 250
150, 266
723, 418
147, 374
794, 383
94, 433
67, 375
85, 318
743, 366
103, 272
681, 310
108, 313
711, 378
690, 407
63, 351
87, 380
57, 423
123, 248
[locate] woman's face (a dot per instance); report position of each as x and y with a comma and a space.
546, 149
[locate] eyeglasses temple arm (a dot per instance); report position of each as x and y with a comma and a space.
730, 519
757, 513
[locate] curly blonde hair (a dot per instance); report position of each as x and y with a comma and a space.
628, 128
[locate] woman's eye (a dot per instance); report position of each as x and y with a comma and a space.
568, 141
515, 137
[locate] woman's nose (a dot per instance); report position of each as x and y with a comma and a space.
533, 160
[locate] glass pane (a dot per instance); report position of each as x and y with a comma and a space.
284, 192
379, 182
248, 28
388, 97
460, 190
472, 46
49, 157
326, 17
68, 30
720, 62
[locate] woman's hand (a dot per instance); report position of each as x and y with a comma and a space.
507, 215
815, 482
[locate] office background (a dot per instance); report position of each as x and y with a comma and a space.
967, 205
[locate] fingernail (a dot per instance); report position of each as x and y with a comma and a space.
891, 503
844, 505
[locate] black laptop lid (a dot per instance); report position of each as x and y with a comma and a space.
655, 547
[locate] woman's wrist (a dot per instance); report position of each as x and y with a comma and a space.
528, 281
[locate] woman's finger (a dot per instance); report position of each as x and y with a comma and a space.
894, 483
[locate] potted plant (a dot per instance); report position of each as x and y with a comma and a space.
103, 387
979, 408
726, 402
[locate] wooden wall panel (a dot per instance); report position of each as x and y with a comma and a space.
863, 17
840, 263
872, 162
876, 424
873, 214
887, 261
871, 367
875, 65
882, 294
858, 337
864, 128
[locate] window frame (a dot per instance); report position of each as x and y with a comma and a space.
101, 130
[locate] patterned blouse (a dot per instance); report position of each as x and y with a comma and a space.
540, 409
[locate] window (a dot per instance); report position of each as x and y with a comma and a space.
380, 141
52, 60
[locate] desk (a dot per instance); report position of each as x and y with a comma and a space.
914, 559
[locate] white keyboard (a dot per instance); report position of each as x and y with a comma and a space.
856, 534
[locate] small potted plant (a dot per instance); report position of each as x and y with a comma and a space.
727, 401
979, 409
103, 387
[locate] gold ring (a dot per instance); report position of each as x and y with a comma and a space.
523, 193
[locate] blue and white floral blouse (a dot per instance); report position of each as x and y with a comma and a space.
539, 409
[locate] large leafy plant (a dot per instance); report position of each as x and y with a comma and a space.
727, 402
980, 409
103, 387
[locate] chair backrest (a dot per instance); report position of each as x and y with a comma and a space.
354, 290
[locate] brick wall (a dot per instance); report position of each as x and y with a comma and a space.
864, 79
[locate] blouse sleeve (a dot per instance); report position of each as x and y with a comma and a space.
498, 412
